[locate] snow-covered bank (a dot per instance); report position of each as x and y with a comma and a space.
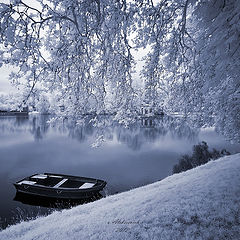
202, 203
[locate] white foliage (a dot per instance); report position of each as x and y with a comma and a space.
83, 50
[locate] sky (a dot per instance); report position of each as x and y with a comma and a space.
5, 83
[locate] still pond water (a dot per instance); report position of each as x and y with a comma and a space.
124, 157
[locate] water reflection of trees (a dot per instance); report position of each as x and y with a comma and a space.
104, 128
36, 125
13, 124
141, 131
39, 126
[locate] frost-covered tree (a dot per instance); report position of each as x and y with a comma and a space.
43, 105
219, 58
10, 102
194, 58
79, 48
84, 51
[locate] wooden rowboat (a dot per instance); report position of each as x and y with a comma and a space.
60, 186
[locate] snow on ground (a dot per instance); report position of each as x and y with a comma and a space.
202, 203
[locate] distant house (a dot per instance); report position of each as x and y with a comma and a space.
150, 105
149, 109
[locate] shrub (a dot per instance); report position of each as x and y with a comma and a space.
200, 155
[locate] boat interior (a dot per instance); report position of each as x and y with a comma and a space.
56, 181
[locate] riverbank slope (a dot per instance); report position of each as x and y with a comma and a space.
202, 203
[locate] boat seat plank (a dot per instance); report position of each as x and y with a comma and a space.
39, 176
55, 176
60, 183
27, 182
86, 185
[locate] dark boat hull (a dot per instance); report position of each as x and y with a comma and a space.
56, 193
49, 202
62, 193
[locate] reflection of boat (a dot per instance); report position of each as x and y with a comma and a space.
53, 202
60, 186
